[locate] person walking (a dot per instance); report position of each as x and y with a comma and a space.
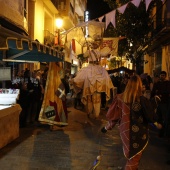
134, 113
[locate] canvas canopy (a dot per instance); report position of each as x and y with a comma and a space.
85, 32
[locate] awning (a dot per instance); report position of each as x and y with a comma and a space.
20, 48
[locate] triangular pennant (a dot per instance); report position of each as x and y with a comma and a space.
147, 2
110, 17
113, 20
101, 18
122, 8
136, 2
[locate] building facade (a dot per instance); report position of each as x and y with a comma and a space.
159, 46
34, 20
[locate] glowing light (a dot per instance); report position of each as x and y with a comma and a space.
59, 22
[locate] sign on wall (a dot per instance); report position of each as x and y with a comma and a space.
5, 73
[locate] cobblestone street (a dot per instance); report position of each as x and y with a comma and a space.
76, 146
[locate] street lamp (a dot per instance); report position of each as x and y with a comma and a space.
59, 24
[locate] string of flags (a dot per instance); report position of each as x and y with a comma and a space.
110, 17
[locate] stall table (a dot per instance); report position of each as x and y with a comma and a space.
9, 119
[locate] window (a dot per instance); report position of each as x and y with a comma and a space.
25, 8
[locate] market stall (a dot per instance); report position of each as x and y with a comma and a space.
9, 116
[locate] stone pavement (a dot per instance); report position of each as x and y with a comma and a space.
76, 146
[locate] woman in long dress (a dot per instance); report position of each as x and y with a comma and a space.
93, 80
133, 112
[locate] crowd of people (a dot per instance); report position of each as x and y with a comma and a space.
31, 88
140, 101
143, 103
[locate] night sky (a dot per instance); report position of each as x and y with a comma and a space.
97, 8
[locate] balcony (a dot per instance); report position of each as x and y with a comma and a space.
80, 7
161, 27
49, 38
160, 34
52, 4
68, 12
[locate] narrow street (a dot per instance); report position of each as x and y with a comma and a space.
76, 146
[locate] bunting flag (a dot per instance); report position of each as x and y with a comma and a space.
110, 17
122, 8
147, 2
101, 18
136, 2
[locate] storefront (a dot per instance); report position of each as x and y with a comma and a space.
9, 116
17, 49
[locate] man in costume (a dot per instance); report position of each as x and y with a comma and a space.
93, 80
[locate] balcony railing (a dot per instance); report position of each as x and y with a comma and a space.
49, 38
161, 20
60, 5
81, 4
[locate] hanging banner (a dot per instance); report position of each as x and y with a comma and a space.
112, 43
54, 110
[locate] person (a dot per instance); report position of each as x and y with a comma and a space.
103, 100
133, 112
71, 84
162, 90
23, 101
66, 84
156, 79
147, 84
77, 101
26, 74
35, 94
93, 80
124, 83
